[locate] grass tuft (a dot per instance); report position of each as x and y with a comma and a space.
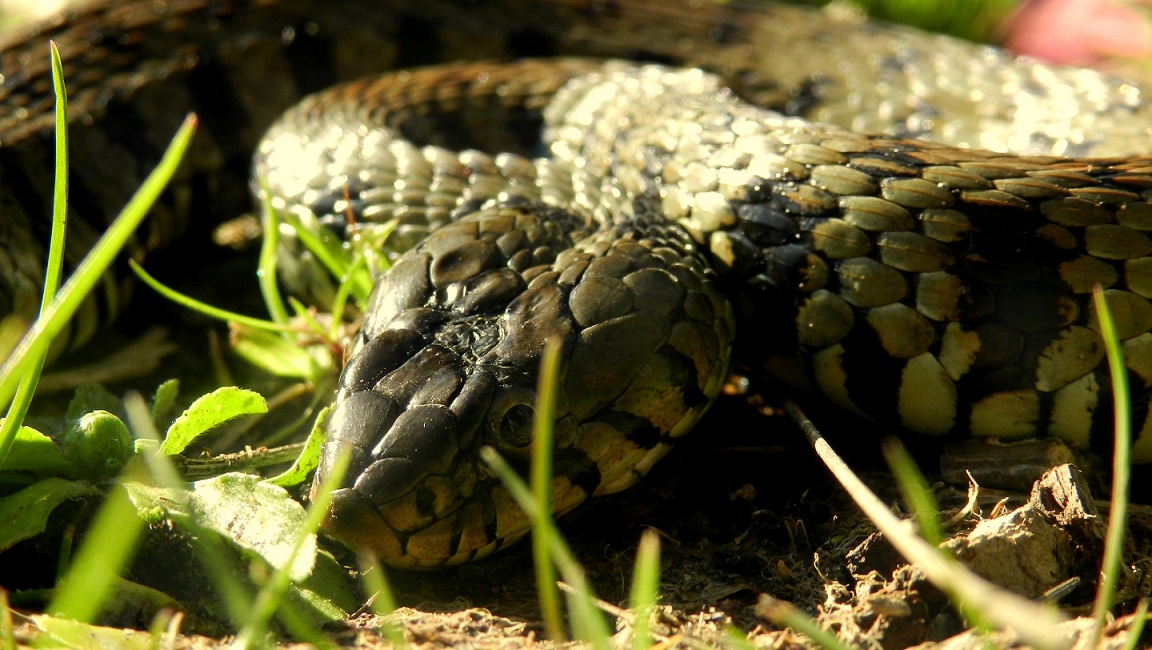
90, 580
541, 485
54, 266
1110, 566
645, 588
53, 320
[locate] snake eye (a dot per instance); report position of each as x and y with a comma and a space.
516, 426
510, 420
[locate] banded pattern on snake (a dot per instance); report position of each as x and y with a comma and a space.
933, 288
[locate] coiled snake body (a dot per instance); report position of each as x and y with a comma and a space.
937, 289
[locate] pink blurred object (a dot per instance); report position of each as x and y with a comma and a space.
1080, 32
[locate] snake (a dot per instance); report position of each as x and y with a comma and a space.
907, 225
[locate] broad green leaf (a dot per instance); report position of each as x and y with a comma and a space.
325, 594
35, 452
25, 513
208, 412
56, 632
255, 516
309, 457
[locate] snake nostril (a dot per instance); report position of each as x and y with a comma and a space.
425, 501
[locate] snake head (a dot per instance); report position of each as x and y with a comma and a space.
447, 362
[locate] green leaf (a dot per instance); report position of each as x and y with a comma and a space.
25, 513
254, 516
208, 412
325, 594
92, 397
272, 353
35, 452
257, 517
164, 403
57, 632
158, 505
309, 457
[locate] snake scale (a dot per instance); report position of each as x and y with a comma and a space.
669, 222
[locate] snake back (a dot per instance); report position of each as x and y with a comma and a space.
933, 289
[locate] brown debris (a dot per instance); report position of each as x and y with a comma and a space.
1053, 540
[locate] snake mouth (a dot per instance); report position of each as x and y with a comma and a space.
403, 533
412, 415
406, 533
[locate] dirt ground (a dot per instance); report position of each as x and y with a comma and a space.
748, 517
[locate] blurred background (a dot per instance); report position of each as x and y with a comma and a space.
1103, 33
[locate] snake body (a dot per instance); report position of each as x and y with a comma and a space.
934, 288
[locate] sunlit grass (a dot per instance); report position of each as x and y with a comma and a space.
54, 266
1110, 566
92, 573
645, 592
381, 601
549, 548
541, 486
787, 615
208, 309
54, 319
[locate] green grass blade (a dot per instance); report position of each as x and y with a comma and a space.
107, 547
915, 490
541, 485
266, 270
782, 613
336, 260
918, 497
203, 307
1121, 466
590, 626
1139, 618
54, 269
645, 588
88, 273
382, 602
